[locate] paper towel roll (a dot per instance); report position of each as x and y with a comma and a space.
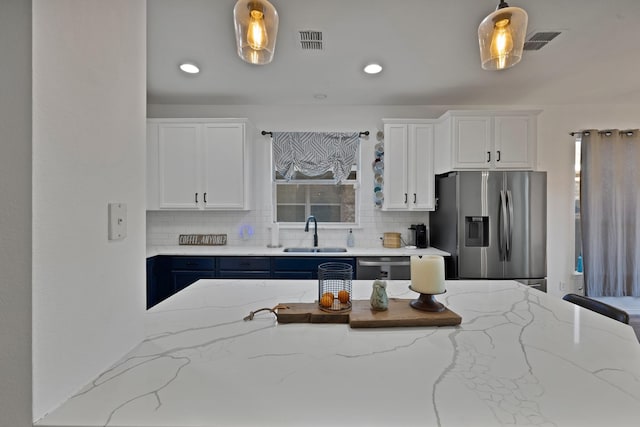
275, 235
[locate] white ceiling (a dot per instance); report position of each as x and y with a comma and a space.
429, 50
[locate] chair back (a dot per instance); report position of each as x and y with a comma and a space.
598, 307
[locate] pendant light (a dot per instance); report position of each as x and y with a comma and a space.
501, 36
256, 24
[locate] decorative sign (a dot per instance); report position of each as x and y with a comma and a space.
203, 239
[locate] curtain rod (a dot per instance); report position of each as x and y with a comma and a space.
606, 132
265, 132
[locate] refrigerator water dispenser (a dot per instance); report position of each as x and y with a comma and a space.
476, 231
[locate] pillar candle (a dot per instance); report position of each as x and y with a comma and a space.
427, 274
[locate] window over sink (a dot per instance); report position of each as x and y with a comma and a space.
304, 195
315, 173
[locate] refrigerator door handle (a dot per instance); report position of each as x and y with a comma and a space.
503, 225
510, 225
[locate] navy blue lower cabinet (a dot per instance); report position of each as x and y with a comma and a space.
186, 270
229, 274
168, 274
205, 263
238, 267
159, 285
152, 282
304, 267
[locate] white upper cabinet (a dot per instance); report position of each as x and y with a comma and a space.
409, 182
226, 172
515, 141
196, 164
395, 177
178, 166
472, 140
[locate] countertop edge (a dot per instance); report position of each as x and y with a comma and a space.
266, 251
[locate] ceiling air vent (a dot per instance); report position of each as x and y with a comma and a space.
540, 39
310, 40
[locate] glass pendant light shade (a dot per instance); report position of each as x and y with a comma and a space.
501, 36
256, 24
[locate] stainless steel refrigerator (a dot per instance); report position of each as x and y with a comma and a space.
494, 224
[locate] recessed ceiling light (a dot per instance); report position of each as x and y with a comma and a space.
373, 68
190, 68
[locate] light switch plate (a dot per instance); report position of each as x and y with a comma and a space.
117, 221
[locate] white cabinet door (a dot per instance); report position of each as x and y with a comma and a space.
511, 142
178, 167
224, 166
421, 176
481, 140
395, 188
472, 142
198, 164
409, 181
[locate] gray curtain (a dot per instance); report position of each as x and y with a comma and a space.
610, 209
315, 153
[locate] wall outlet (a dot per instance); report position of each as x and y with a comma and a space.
563, 286
117, 221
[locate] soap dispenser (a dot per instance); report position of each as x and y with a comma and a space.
350, 239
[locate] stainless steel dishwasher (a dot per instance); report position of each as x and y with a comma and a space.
396, 268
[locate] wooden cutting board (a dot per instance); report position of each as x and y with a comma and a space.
399, 313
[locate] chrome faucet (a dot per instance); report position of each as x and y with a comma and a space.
315, 231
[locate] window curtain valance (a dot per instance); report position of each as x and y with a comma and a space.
315, 153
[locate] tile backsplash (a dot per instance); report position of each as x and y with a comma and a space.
251, 228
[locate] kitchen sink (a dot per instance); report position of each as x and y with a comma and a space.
315, 250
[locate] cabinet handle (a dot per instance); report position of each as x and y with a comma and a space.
415, 200
488, 156
196, 197
405, 197
498, 159
205, 197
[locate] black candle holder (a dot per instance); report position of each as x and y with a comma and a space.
427, 302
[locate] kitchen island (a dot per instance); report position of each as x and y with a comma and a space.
519, 357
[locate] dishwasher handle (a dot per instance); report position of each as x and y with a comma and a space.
380, 263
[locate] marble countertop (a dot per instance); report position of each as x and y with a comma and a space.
520, 357
226, 250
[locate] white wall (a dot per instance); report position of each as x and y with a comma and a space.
15, 213
89, 93
555, 155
